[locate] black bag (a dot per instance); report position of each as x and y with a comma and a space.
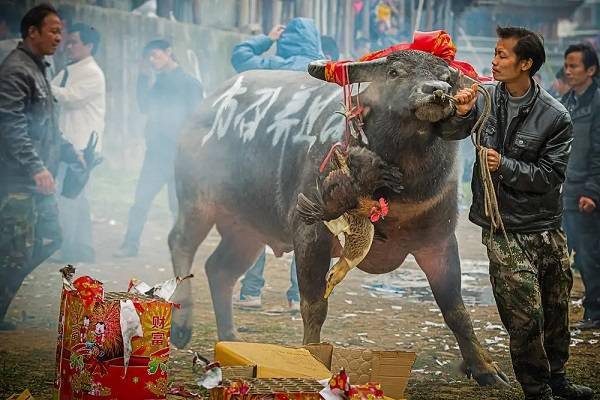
77, 176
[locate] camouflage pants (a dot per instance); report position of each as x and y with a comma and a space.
29, 233
532, 281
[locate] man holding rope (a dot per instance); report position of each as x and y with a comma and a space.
523, 151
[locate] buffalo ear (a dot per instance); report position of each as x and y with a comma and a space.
461, 80
359, 71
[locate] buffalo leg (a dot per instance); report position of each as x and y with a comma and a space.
442, 267
312, 259
189, 231
235, 254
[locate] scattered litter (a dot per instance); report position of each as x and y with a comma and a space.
348, 315
396, 307
435, 324
491, 327
592, 341
352, 293
383, 288
112, 222
348, 301
575, 342
26, 395
362, 334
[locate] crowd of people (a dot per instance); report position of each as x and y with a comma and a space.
542, 149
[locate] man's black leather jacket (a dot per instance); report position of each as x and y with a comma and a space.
535, 151
30, 139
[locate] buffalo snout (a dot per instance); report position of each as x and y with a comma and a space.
430, 87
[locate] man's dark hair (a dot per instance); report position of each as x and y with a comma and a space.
589, 55
560, 74
160, 44
87, 34
330, 47
530, 45
35, 17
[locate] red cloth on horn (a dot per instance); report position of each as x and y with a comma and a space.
439, 43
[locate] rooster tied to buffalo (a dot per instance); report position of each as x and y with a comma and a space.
345, 204
257, 142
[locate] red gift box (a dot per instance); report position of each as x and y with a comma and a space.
90, 355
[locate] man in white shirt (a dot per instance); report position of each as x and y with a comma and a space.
80, 89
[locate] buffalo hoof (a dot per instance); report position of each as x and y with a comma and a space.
180, 335
499, 380
495, 378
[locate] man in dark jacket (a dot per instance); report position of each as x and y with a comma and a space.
528, 140
167, 102
582, 187
31, 146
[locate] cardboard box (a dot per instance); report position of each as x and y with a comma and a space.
89, 356
271, 361
391, 369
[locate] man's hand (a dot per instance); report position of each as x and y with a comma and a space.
44, 183
276, 32
586, 204
81, 160
493, 160
465, 100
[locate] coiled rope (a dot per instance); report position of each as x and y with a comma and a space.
492, 210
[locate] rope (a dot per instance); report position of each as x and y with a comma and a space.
351, 114
492, 210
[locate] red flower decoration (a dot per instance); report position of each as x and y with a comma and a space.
89, 290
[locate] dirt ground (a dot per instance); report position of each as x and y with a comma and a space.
393, 311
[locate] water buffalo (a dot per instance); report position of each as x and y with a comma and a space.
257, 143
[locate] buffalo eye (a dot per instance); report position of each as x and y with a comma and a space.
393, 74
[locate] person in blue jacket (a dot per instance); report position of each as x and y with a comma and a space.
298, 44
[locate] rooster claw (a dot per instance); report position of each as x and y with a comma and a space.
330, 284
